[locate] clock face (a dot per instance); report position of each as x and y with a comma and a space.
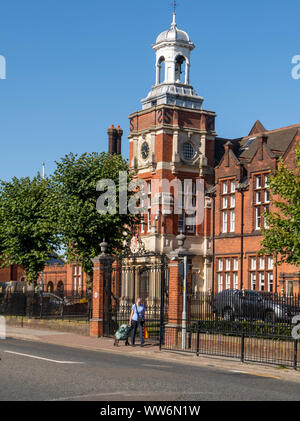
145, 150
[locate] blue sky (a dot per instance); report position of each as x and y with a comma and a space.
76, 66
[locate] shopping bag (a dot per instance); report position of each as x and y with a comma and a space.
146, 333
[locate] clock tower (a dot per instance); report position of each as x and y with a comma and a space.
173, 138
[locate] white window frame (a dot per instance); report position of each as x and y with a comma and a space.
232, 221
227, 264
235, 263
257, 218
253, 263
224, 202
232, 201
227, 280
224, 222
261, 280
142, 224
220, 264
224, 187
253, 280
149, 221
258, 197
232, 186
235, 280
270, 277
220, 282
266, 180
261, 264
270, 263
258, 181
267, 196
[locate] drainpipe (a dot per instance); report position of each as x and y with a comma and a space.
242, 239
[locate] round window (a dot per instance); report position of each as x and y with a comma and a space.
188, 151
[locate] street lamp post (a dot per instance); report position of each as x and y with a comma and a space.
185, 269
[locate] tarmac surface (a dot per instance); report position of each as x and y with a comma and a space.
56, 366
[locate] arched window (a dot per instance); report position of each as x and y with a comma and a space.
180, 69
60, 288
50, 287
161, 71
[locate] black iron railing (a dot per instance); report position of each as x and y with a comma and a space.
45, 305
252, 326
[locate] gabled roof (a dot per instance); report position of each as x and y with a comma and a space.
257, 128
277, 141
244, 148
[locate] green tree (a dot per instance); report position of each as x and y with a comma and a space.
283, 235
82, 227
27, 224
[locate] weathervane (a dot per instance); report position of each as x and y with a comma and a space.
174, 4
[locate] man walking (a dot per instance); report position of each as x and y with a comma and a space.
137, 319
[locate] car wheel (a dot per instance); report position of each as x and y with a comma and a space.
228, 314
270, 317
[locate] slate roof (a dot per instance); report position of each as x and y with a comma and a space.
244, 148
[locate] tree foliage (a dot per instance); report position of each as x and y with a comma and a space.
28, 235
283, 235
80, 224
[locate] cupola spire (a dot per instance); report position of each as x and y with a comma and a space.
173, 49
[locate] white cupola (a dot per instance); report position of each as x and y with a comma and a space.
172, 83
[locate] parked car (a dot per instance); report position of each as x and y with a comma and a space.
251, 305
51, 304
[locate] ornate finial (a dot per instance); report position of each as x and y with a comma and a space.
181, 239
103, 247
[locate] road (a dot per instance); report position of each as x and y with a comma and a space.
38, 371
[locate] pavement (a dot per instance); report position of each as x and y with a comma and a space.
150, 351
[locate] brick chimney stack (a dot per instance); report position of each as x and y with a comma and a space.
114, 139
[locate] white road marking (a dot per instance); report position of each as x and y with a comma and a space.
161, 394
44, 359
156, 365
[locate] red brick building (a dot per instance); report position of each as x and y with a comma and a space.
173, 138
58, 277
242, 196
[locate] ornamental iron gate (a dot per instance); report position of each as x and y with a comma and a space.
129, 276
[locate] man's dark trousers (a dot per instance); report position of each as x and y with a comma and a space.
134, 325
